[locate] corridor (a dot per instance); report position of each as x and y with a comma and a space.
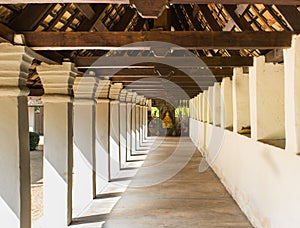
167, 191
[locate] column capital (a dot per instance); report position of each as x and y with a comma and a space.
15, 62
123, 95
103, 89
138, 99
57, 80
85, 88
129, 96
114, 91
133, 99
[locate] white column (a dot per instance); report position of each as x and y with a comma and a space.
226, 103
102, 143
292, 96
128, 124
133, 124
266, 88
102, 135
240, 99
200, 106
196, 107
216, 104
210, 104
141, 121
123, 127
84, 143
58, 149
15, 196
137, 124
114, 130
145, 119
204, 106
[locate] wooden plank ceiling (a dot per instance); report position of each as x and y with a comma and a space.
97, 35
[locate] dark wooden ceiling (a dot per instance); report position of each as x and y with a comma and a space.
97, 35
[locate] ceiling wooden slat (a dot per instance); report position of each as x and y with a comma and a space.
277, 2
184, 39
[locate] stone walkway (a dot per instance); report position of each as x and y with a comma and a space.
175, 194
36, 168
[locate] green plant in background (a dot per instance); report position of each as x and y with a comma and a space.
34, 139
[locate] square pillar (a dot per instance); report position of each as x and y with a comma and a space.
102, 143
200, 100
266, 88
210, 105
226, 104
84, 179
141, 124
128, 124
216, 104
292, 96
145, 119
137, 124
195, 107
102, 135
15, 195
191, 108
58, 148
123, 127
204, 106
240, 99
114, 131
133, 124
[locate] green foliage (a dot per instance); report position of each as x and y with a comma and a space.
34, 139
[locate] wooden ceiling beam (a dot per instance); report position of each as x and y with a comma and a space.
237, 20
179, 62
291, 15
6, 34
179, 39
277, 2
181, 78
30, 17
150, 72
86, 10
89, 24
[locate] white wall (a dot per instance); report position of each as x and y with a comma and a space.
266, 88
240, 99
263, 179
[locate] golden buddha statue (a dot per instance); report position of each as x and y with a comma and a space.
167, 121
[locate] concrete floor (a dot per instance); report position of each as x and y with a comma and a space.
167, 191
36, 168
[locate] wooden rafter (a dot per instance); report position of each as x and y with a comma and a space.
179, 62
6, 34
184, 39
122, 24
31, 17
236, 20
150, 72
89, 24
291, 15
